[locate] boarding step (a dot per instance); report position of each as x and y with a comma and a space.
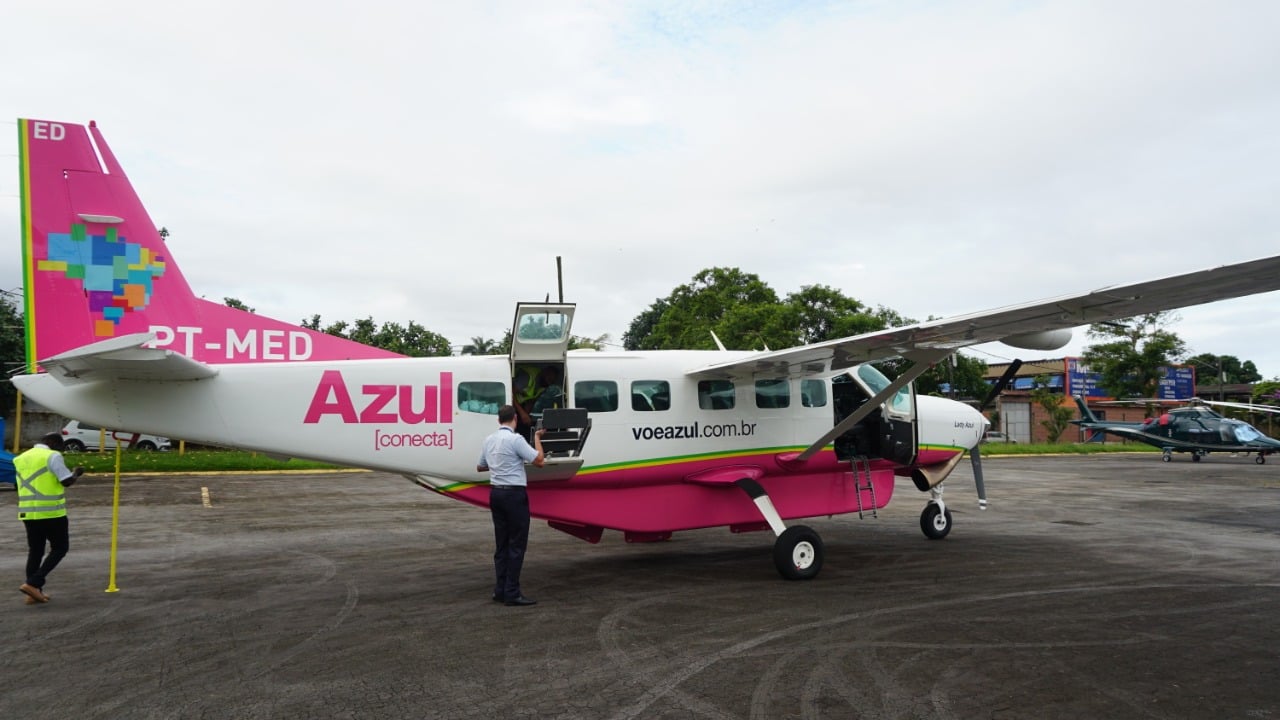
861, 471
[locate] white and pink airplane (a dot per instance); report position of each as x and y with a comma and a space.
649, 443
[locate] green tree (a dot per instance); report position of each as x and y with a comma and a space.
1059, 415
480, 345
577, 342
234, 303
1129, 361
413, 340
642, 326
966, 377
740, 308
1211, 369
13, 346
745, 313
824, 313
1267, 392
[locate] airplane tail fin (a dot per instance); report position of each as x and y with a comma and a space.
95, 267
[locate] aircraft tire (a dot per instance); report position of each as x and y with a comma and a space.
1195, 457
798, 553
1166, 458
935, 524
1261, 459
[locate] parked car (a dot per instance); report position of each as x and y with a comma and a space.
78, 436
995, 436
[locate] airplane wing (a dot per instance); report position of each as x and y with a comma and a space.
124, 358
1036, 325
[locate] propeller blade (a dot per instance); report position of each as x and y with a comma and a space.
1000, 384
975, 457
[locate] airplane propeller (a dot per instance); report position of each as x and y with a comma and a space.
975, 456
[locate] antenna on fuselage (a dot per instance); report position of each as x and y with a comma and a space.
718, 343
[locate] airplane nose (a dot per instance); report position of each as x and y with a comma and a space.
981, 423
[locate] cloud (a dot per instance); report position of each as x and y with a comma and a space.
430, 162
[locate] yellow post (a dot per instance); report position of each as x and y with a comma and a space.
115, 525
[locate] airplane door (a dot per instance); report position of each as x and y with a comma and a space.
540, 333
890, 431
540, 338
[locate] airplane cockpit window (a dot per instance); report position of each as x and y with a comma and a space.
650, 395
773, 393
1243, 431
715, 394
596, 395
481, 397
876, 381
542, 327
813, 393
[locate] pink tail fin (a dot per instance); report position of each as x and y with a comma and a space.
95, 267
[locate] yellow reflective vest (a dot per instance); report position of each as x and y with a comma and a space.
40, 494
530, 390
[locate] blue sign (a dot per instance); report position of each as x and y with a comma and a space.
1176, 382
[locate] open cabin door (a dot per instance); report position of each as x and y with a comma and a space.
889, 431
539, 344
540, 339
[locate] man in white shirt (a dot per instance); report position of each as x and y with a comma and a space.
503, 457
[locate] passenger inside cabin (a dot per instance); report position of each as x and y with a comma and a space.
549, 392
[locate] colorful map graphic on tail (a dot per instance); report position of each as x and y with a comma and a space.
116, 274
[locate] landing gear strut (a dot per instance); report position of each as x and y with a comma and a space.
798, 551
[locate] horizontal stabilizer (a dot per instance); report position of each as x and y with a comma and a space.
124, 358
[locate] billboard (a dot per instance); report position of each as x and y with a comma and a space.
1177, 382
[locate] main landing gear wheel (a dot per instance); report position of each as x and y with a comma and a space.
798, 553
1195, 457
1261, 459
935, 522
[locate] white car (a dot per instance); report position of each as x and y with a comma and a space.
78, 436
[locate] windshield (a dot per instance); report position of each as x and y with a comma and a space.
1243, 431
876, 381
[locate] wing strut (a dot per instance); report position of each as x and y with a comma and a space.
921, 360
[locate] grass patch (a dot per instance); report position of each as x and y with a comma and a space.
989, 449
137, 461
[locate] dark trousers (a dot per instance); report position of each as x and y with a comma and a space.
510, 509
53, 531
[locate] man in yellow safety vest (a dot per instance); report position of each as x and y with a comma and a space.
43, 477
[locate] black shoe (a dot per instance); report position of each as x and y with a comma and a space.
521, 601
497, 598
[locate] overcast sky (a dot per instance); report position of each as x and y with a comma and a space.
428, 161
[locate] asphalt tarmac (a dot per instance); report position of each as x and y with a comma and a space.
1116, 586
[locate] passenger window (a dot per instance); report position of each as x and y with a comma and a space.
596, 395
773, 393
715, 394
650, 395
813, 393
481, 397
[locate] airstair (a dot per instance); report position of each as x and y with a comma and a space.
861, 471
